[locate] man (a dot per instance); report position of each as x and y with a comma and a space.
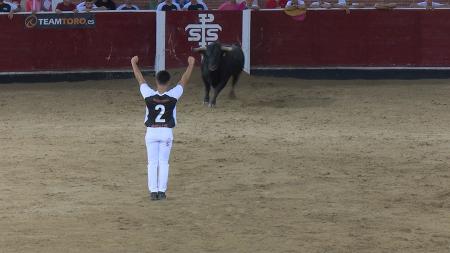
385, 5
160, 118
87, 6
127, 6
106, 4
251, 4
320, 4
66, 5
15, 5
195, 5
348, 3
168, 5
429, 4
6, 8
295, 3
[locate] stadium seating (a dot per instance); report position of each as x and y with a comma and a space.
213, 4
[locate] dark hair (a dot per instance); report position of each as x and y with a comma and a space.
163, 77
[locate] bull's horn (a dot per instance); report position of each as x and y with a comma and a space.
199, 49
224, 48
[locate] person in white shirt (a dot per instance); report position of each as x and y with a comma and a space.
160, 119
14, 6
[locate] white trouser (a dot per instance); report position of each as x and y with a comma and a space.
159, 143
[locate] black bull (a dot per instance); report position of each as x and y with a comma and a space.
219, 63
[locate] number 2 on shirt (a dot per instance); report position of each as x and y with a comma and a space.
161, 113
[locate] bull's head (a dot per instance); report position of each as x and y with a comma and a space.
212, 54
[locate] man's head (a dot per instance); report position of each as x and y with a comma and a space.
89, 4
67, 1
127, 1
162, 78
1, 1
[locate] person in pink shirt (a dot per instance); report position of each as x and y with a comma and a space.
232, 5
38, 5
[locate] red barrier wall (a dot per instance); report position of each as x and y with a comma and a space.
178, 48
363, 38
406, 38
116, 37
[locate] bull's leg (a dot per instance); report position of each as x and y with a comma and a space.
217, 90
207, 89
232, 95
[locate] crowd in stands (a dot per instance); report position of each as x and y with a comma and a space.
12, 6
271, 4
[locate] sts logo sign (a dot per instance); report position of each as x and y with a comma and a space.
205, 32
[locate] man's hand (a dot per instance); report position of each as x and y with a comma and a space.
187, 74
10, 15
136, 70
191, 60
135, 60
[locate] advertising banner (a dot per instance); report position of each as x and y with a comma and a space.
61, 21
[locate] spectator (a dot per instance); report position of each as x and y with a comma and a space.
127, 6
66, 5
38, 5
320, 4
251, 4
384, 5
274, 4
168, 5
232, 5
271, 4
6, 8
153, 4
181, 2
86, 6
107, 4
195, 5
15, 5
298, 3
429, 4
348, 3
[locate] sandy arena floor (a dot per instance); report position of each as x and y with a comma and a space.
291, 166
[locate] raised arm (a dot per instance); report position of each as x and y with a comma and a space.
137, 71
187, 74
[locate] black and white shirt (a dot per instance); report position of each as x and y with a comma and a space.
200, 6
161, 108
168, 7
